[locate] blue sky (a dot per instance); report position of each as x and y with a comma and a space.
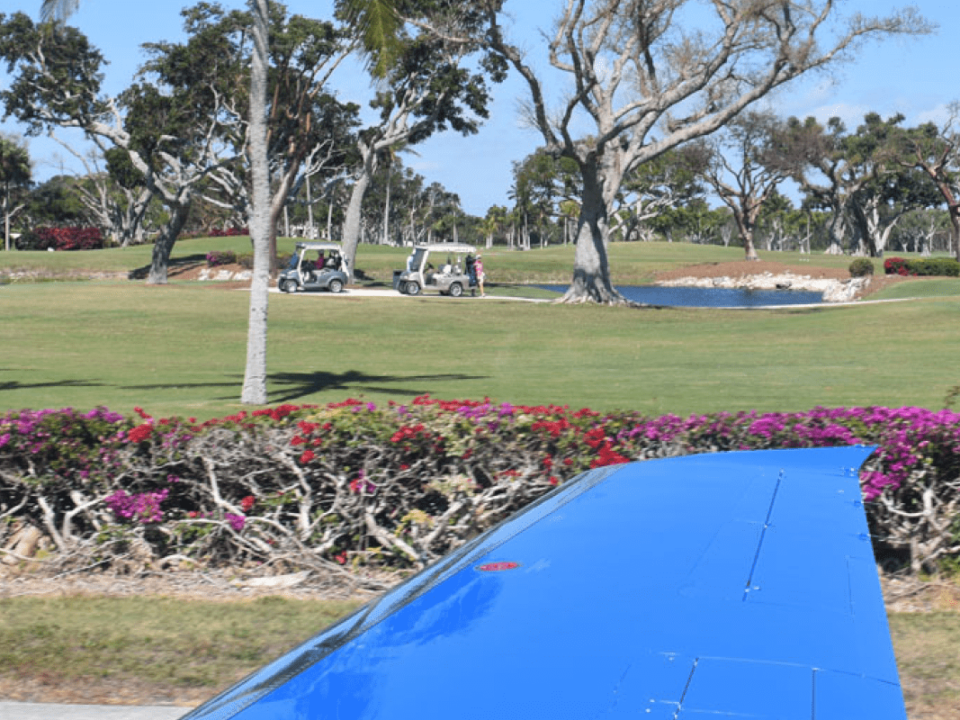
906, 75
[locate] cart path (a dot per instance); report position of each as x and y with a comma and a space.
51, 711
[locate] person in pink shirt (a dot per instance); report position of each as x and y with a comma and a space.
478, 266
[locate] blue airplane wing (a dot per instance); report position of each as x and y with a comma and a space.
740, 585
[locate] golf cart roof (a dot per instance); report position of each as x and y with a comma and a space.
318, 246
447, 247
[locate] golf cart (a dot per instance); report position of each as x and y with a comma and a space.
450, 278
326, 271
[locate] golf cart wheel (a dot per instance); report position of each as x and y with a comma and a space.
288, 286
336, 285
456, 290
413, 288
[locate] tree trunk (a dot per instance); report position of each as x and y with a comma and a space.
591, 266
386, 215
955, 230
6, 218
160, 259
352, 222
255, 374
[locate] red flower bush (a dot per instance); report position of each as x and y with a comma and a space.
66, 238
400, 485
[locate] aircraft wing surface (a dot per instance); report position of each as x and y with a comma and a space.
731, 585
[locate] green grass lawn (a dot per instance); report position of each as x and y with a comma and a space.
631, 263
180, 350
928, 287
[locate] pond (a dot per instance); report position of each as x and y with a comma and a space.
710, 297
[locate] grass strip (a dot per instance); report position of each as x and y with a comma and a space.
165, 649
180, 350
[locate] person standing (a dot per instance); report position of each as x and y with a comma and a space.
478, 268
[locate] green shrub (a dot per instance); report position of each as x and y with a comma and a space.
936, 267
927, 267
221, 257
861, 267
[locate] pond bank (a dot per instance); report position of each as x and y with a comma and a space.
832, 290
834, 284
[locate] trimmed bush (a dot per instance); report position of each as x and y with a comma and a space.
929, 267
938, 267
221, 257
896, 266
228, 257
861, 267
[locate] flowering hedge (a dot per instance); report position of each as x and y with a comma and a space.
61, 238
221, 257
398, 486
216, 258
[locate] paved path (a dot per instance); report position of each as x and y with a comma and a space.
48, 711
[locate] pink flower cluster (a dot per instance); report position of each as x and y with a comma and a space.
139, 507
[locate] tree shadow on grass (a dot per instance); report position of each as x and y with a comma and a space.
296, 386
18, 385
292, 387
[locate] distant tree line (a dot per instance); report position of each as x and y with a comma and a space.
173, 151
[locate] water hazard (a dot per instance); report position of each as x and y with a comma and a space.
710, 297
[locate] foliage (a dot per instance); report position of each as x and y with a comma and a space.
942, 267
55, 202
221, 257
896, 266
401, 485
861, 267
61, 238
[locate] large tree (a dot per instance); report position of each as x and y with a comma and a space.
168, 122
423, 88
857, 176
649, 75
935, 150
743, 171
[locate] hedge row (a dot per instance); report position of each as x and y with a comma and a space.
399, 486
941, 267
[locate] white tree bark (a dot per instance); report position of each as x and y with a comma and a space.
255, 375
647, 85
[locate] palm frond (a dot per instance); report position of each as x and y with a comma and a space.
380, 26
58, 10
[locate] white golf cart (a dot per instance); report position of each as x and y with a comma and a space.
324, 271
450, 278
